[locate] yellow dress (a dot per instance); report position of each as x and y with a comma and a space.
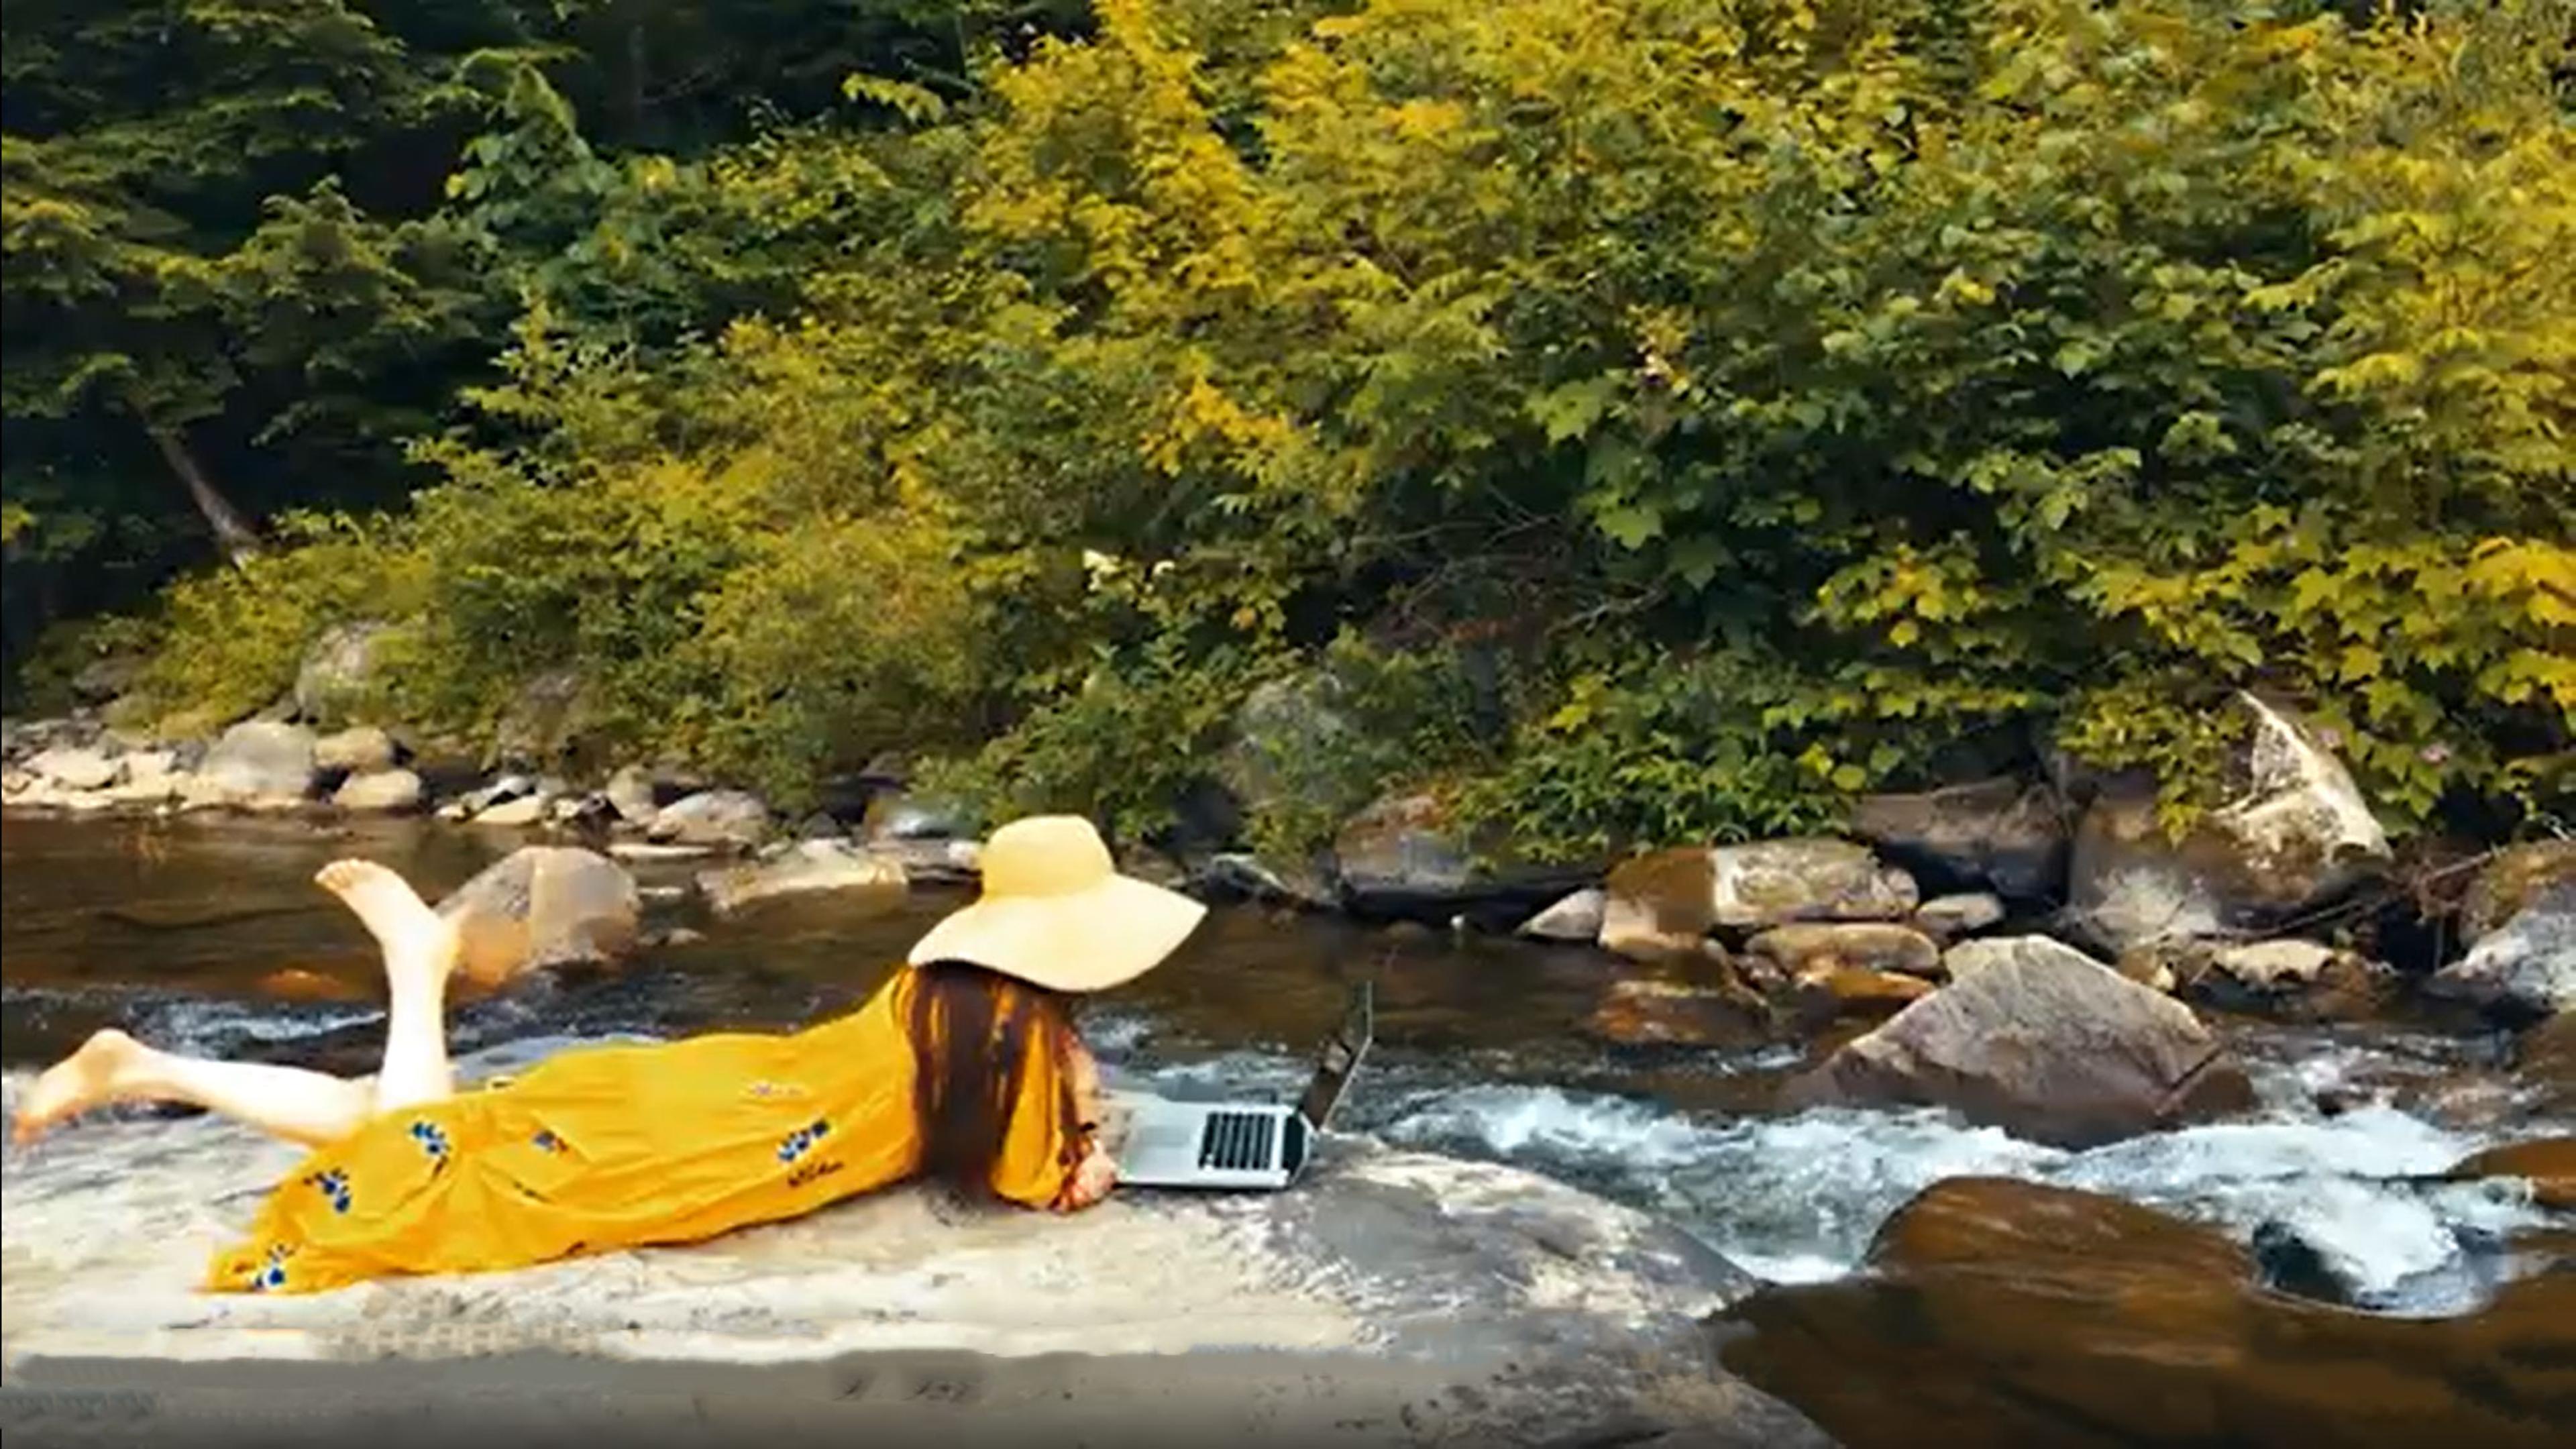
621, 1146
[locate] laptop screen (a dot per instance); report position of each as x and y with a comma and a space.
1339, 1059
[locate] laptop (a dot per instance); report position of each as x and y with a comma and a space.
1244, 1146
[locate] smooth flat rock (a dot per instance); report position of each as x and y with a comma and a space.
1494, 1305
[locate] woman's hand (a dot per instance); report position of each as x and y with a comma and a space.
1091, 1182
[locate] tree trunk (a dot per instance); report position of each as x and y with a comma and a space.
232, 531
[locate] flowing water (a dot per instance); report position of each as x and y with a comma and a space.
178, 930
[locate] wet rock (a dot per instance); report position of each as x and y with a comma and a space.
1968, 958
75, 768
2005, 1312
1239, 876
1816, 948
1575, 918
711, 817
810, 867
897, 815
260, 762
643, 852
295, 983
1661, 903
1646, 1012
543, 906
1475, 1303
1946, 918
356, 750
517, 812
2286, 1262
338, 671
2512, 880
2054, 1048
2298, 835
933, 862
2525, 968
2547, 1163
2290, 979
2545, 1057
1841, 992
386, 791
2004, 834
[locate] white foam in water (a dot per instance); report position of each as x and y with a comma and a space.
1797, 1199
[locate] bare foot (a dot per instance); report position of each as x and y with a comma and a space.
85, 1079
419, 944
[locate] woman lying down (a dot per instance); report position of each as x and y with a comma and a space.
963, 1069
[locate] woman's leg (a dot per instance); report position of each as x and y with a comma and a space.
420, 951
301, 1106
289, 1102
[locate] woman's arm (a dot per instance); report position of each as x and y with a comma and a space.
1097, 1173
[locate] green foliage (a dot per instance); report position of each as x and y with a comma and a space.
1703, 409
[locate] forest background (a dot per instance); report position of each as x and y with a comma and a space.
1627, 421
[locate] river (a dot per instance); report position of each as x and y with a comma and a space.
177, 930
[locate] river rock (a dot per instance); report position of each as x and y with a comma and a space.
1292, 741
1812, 948
2057, 1049
547, 722
379, 792
633, 793
711, 817
2544, 1057
1839, 992
260, 762
810, 867
1233, 875
1575, 918
338, 672
356, 750
2004, 834
2299, 835
2547, 1163
2006, 1312
1647, 1012
1661, 903
517, 812
1946, 918
1402, 858
2291, 979
1395, 1297
543, 906
2524, 968
75, 768
2512, 880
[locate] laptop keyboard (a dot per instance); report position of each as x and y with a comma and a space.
1239, 1141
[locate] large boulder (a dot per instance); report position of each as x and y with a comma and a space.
2547, 1163
548, 721
1293, 741
807, 868
1642, 1011
1403, 858
2297, 835
2003, 834
1816, 948
2293, 979
541, 906
2544, 1057
1577, 917
1392, 1298
2524, 968
260, 762
729, 818
2059, 1050
2005, 1312
337, 677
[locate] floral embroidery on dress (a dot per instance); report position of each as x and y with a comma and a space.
802, 1140
547, 1141
766, 1089
332, 1184
272, 1274
432, 1140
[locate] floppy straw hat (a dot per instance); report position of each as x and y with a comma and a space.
1056, 913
